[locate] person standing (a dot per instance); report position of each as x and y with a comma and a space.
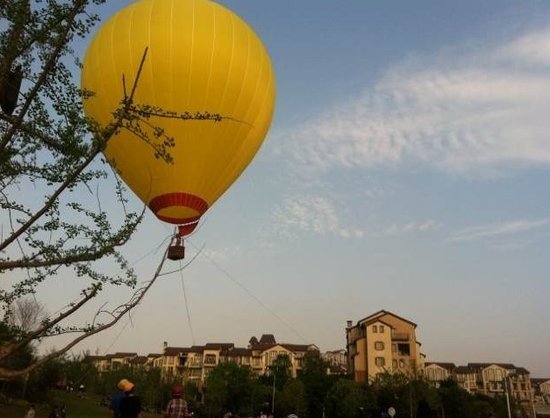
177, 406
130, 404
117, 397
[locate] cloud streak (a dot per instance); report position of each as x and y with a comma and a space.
312, 214
412, 228
486, 109
498, 229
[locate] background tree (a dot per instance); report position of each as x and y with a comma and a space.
317, 383
53, 179
456, 402
234, 388
292, 399
280, 371
349, 399
26, 314
394, 389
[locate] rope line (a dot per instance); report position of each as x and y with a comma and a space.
187, 308
252, 295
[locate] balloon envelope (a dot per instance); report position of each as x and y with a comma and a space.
207, 69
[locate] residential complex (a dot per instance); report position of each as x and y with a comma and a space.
386, 343
489, 379
380, 343
194, 363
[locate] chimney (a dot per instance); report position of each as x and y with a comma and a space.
349, 324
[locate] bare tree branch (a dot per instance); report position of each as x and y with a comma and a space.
136, 298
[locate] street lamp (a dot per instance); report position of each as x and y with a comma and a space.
507, 397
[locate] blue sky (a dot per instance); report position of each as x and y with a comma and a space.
406, 169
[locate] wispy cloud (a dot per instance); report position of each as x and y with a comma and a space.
312, 214
482, 109
412, 227
498, 229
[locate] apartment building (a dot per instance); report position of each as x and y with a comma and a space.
438, 372
490, 379
382, 342
337, 362
195, 363
112, 361
541, 389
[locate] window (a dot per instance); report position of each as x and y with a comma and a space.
404, 349
375, 328
379, 345
380, 361
401, 364
210, 359
381, 328
394, 364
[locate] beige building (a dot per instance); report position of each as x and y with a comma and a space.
541, 388
382, 342
112, 361
490, 379
438, 372
195, 363
337, 362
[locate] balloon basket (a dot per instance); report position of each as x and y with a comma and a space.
176, 250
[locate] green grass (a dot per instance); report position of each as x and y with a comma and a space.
77, 406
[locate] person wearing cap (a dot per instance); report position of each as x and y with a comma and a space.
117, 397
130, 404
177, 407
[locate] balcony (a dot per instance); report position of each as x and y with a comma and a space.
193, 364
400, 336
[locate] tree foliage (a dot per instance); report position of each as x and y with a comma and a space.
233, 388
347, 398
316, 382
64, 214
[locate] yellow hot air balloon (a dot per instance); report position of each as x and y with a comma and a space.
211, 76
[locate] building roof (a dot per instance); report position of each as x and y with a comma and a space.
464, 370
139, 360
98, 357
267, 339
118, 355
300, 347
383, 312
522, 370
448, 366
237, 352
176, 351
218, 346
540, 380
478, 366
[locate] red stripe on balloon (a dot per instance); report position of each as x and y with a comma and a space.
186, 225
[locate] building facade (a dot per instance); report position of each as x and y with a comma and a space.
438, 372
193, 364
382, 342
490, 379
